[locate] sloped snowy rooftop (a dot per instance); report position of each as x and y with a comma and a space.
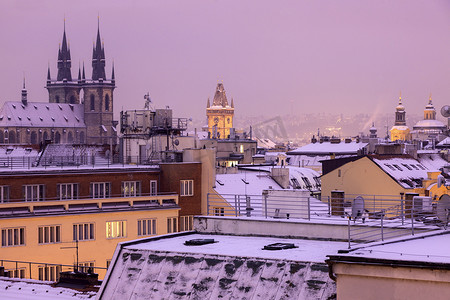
246, 183
407, 171
328, 147
42, 114
231, 268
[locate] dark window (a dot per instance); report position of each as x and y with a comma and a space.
33, 138
12, 137
57, 99
70, 137
72, 99
57, 138
92, 102
107, 102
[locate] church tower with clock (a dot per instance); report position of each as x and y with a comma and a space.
220, 115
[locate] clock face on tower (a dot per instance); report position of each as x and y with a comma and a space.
216, 120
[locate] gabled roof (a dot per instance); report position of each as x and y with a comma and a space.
404, 169
41, 114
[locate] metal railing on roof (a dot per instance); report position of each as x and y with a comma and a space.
78, 161
368, 217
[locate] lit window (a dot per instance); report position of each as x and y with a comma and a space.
67, 191
241, 148
131, 188
83, 232
4, 193
187, 188
100, 190
146, 227
49, 234
34, 192
186, 223
153, 187
116, 229
172, 225
13, 236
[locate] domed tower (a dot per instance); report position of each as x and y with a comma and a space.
63, 89
98, 99
220, 114
429, 127
400, 131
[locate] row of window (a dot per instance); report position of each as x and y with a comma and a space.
51, 234
98, 190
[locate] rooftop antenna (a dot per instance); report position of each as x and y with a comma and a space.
76, 247
148, 100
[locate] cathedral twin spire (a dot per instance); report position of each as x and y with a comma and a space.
65, 63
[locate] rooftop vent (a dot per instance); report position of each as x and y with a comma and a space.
14, 106
199, 242
279, 246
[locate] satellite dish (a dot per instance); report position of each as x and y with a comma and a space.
357, 207
440, 180
443, 209
445, 111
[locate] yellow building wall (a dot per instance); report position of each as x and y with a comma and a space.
225, 121
363, 177
400, 135
98, 250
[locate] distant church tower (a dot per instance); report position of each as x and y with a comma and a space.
400, 131
63, 89
220, 114
98, 99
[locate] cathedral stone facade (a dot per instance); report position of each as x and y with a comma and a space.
78, 111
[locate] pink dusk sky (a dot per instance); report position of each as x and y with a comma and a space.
274, 57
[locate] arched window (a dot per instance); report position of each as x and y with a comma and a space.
18, 137
70, 137
57, 137
76, 137
45, 137
82, 137
107, 102
92, 102
72, 99
1, 137
12, 137
57, 99
33, 138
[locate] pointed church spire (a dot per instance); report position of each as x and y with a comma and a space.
429, 99
98, 58
79, 73
48, 75
24, 93
113, 76
83, 78
208, 104
232, 103
64, 61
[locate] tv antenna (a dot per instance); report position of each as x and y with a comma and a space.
76, 247
148, 100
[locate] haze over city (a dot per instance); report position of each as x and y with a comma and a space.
289, 57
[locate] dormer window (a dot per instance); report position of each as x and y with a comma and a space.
14, 106
48, 108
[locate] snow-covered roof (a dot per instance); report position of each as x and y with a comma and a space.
15, 151
325, 148
245, 183
14, 288
265, 143
444, 142
233, 267
429, 124
41, 114
407, 171
400, 127
433, 161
